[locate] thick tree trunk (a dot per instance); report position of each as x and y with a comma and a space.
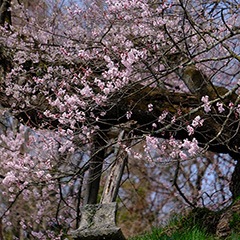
235, 182
95, 170
115, 173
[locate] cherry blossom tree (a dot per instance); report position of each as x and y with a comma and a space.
165, 73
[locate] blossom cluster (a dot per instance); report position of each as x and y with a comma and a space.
64, 72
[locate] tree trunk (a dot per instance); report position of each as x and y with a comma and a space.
115, 173
95, 171
235, 182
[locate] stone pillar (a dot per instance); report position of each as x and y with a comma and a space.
98, 222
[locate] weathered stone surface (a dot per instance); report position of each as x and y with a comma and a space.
99, 234
98, 222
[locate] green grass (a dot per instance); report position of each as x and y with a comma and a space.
198, 224
166, 234
177, 230
183, 234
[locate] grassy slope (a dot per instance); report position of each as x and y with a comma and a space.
182, 229
183, 234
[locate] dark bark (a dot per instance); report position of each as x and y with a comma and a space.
95, 170
235, 182
1, 230
5, 15
5, 59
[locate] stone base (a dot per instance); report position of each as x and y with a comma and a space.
99, 234
98, 222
